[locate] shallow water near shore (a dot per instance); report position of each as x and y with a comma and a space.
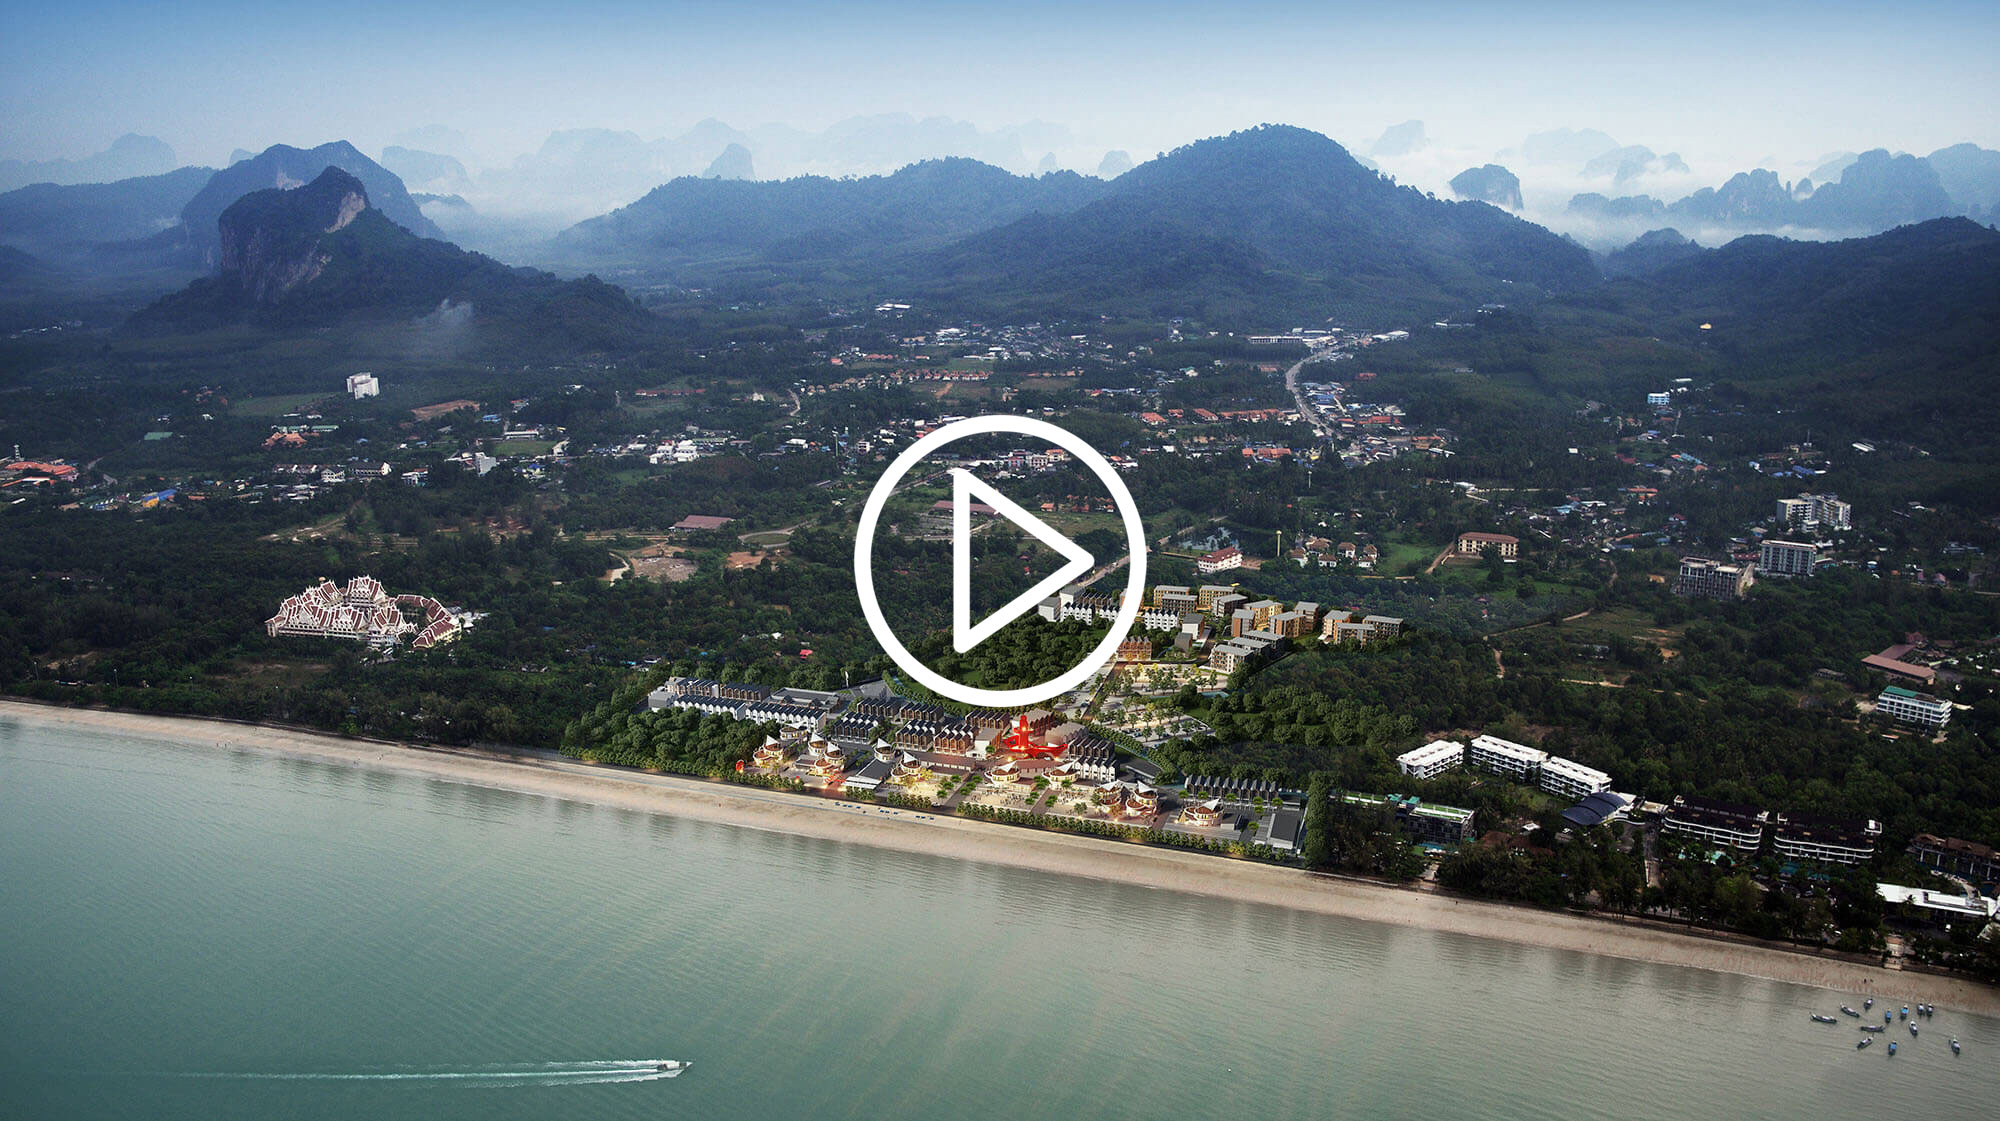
198, 932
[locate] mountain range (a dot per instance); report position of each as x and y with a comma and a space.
1876, 191
1274, 215
323, 254
129, 157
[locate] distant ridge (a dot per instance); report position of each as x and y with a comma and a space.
322, 254
282, 165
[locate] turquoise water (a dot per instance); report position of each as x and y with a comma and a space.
187, 932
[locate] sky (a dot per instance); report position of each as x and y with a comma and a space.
1728, 86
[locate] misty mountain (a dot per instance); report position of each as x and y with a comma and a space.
1635, 161
733, 163
579, 172
811, 218
1649, 253
1116, 162
426, 172
1876, 191
1971, 176
1271, 217
129, 157
1490, 183
322, 254
65, 222
1400, 140
282, 166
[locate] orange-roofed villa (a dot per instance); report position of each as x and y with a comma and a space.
1203, 815
829, 762
910, 770
772, 756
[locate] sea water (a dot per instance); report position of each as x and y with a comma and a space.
193, 932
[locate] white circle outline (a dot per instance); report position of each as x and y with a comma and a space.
864, 553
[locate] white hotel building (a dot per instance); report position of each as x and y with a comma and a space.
1516, 760
1911, 707
1432, 759
1566, 778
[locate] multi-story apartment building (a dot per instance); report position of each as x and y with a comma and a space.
1432, 759
1505, 757
1566, 778
1718, 823
1711, 579
1786, 558
1907, 706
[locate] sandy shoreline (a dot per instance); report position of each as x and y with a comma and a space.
1145, 866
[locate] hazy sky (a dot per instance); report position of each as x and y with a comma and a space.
1728, 85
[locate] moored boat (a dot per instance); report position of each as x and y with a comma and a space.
1913, 1031
1849, 1011
1954, 1046
1817, 1018
1892, 1047
1865, 1041
1876, 1028
1869, 1003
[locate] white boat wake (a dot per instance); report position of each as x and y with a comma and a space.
582, 1073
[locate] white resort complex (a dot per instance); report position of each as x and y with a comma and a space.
364, 612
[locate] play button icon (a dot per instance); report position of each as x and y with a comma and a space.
966, 489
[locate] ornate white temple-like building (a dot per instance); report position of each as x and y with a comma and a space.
364, 612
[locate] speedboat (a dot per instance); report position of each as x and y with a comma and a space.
1865, 1041
1819, 1019
1849, 1011
1954, 1046
671, 1066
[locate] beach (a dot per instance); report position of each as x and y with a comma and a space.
1133, 864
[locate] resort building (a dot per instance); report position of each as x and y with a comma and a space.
1908, 707
772, 756
1825, 839
1815, 511
1504, 757
827, 761
364, 612
1383, 626
363, 385
1202, 815
870, 777
1207, 594
1221, 560
1436, 824
909, 769
1175, 598
1718, 823
1432, 759
1964, 858
1566, 778
1711, 579
1786, 558
1281, 831
1472, 544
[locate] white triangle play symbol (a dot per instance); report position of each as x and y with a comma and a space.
965, 489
